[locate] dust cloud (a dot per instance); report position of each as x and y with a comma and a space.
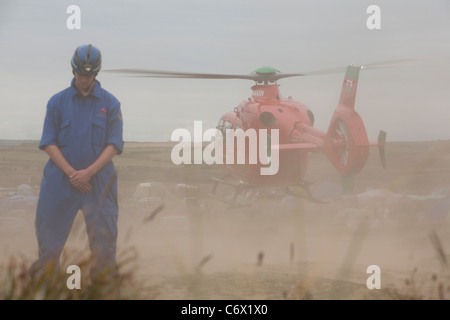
278, 245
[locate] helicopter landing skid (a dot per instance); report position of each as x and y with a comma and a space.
238, 188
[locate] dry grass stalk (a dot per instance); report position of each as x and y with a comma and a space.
52, 283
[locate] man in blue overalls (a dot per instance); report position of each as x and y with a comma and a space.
82, 133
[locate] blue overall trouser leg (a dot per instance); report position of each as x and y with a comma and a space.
55, 214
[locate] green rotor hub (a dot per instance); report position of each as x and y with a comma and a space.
266, 70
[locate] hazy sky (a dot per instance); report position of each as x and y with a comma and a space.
235, 36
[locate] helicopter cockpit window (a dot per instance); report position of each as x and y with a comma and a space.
227, 125
220, 125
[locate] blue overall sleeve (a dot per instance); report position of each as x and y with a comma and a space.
115, 127
50, 131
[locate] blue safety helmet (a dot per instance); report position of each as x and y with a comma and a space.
87, 60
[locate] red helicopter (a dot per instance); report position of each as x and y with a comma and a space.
345, 143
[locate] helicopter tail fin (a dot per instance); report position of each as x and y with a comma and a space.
349, 86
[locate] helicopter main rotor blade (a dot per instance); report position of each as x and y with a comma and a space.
255, 76
312, 73
373, 65
173, 74
388, 63
258, 77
